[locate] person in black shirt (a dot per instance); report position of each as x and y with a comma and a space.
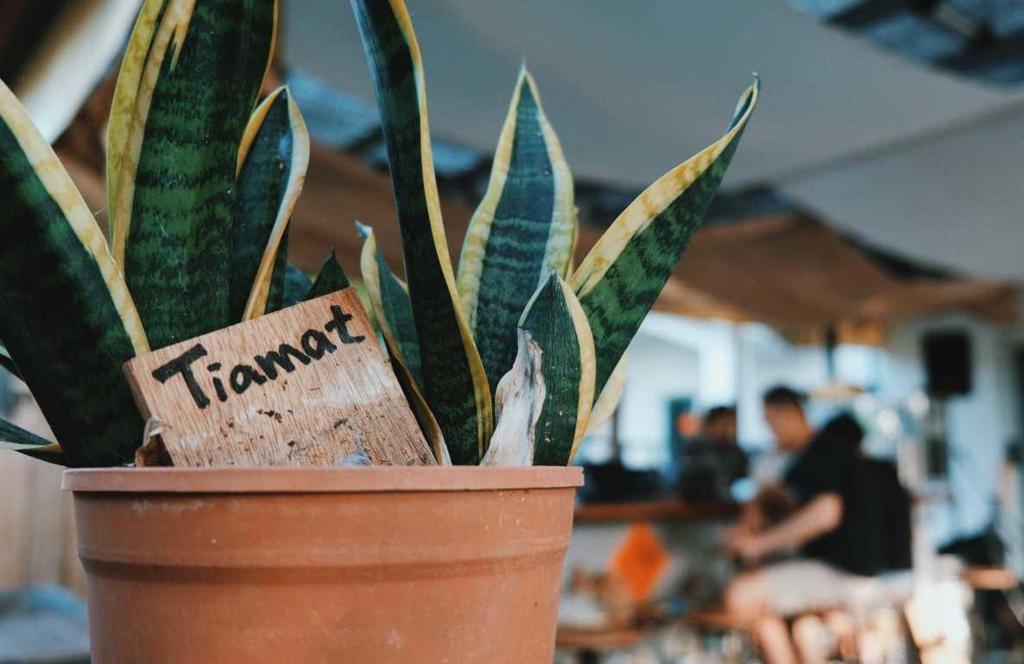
848, 518
712, 462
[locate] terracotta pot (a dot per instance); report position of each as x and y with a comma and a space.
361, 565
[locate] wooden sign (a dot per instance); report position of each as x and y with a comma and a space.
305, 386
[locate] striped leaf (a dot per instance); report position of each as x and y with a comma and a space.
130, 106
189, 81
522, 231
68, 321
622, 275
331, 278
389, 301
555, 322
424, 416
272, 162
296, 286
13, 437
453, 376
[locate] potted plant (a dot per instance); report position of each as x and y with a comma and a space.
506, 362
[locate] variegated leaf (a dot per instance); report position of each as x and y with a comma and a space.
453, 376
68, 321
272, 158
272, 161
389, 300
619, 280
189, 81
522, 231
424, 417
555, 322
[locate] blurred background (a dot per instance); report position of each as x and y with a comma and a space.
866, 251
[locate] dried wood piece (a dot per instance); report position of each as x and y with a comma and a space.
519, 401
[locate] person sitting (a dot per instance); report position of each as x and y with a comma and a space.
712, 462
849, 519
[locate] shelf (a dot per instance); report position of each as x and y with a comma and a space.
658, 510
597, 639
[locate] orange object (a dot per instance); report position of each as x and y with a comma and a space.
378, 564
640, 561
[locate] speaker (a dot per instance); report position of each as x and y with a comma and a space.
947, 362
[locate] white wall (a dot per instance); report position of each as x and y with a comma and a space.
670, 357
980, 423
717, 362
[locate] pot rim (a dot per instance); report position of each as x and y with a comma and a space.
375, 479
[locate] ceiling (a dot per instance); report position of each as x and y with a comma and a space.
906, 158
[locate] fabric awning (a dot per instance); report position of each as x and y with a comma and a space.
787, 270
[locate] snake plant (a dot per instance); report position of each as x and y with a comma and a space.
202, 178
201, 183
517, 352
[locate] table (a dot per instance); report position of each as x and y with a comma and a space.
668, 510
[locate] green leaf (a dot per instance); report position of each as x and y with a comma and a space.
330, 279
13, 437
69, 322
453, 376
8, 364
272, 162
131, 100
389, 302
522, 231
296, 286
424, 417
189, 81
619, 280
279, 277
555, 322
52, 453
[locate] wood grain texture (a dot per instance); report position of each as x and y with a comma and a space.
332, 401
